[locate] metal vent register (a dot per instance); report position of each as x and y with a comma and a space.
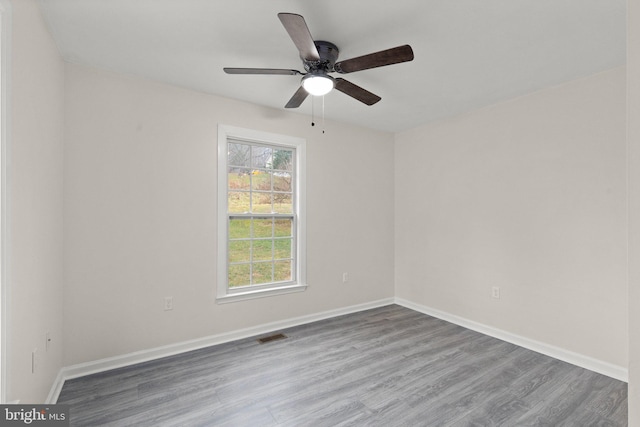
271, 338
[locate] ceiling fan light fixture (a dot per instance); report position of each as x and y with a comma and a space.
319, 59
318, 84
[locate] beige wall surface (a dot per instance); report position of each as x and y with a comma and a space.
35, 186
633, 140
528, 195
140, 215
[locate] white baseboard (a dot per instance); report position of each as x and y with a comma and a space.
604, 368
101, 365
56, 388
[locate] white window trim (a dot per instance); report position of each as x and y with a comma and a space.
300, 282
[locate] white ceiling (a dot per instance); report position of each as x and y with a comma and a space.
468, 53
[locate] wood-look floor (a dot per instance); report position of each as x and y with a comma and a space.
390, 366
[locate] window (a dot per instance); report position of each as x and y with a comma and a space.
260, 214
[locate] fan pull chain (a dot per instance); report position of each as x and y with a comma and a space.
322, 113
313, 112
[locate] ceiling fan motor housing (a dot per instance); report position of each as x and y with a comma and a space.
328, 53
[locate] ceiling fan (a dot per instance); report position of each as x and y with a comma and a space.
319, 59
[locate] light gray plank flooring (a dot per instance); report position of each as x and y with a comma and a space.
390, 366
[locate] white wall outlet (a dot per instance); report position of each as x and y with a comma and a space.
34, 360
495, 292
345, 277
168, 303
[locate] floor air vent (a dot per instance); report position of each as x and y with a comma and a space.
271, 338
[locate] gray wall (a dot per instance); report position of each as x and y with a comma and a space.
35, 184
528, 195
633, 117
140, 215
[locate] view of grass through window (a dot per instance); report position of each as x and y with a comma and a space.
260, 206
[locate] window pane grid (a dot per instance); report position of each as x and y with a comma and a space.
261, 180
254, 272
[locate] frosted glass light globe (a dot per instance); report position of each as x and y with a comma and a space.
317, 84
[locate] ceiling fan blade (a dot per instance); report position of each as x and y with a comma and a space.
297, 98
356, 92
394, 55
299, 33
272, 71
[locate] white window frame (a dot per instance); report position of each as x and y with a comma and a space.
298, 283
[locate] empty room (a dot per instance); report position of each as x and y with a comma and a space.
250, 213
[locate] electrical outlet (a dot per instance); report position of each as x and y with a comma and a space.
345, 277
34, 360
168, 303
495, 292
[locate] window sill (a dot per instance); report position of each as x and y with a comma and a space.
259, 293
